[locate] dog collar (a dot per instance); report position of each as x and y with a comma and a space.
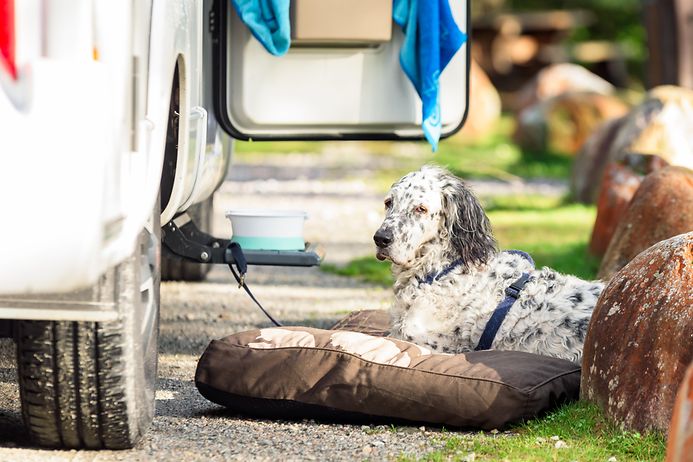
435, 276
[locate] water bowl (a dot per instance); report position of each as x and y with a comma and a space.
268, 229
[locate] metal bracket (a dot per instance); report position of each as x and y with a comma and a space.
183, 238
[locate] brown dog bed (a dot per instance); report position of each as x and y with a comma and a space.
345, 375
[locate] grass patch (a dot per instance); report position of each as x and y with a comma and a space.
580, 426
495, 156
553, 232
367, 269
250, 148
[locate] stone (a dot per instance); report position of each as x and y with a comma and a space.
660, 125
563, 123
618, 186
619, 183
638, 344
590, 162
486, 103
667, 132
680, 444
557, 79
661, 208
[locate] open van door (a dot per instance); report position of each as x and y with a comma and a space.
320, 90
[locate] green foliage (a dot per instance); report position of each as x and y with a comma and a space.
616, 21
580, 426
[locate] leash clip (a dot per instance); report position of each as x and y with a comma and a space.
241, 281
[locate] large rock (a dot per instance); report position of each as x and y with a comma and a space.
563, 123
640, 339
589, 164
557, 79
661, 207
680, 444
618, 186
660, 125
485, 102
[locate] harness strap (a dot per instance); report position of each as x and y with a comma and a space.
512, 293
242, 265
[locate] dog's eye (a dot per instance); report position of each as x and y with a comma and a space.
421, 209
388, 203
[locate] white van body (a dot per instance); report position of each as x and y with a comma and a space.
83, 131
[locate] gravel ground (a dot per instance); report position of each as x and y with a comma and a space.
344, 210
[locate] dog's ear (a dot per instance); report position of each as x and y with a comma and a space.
466, 225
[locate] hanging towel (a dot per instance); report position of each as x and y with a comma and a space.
431, 40
268, 21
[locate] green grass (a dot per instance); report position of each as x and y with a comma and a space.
252, 148
581, 426
554, 233
495, 156
367, 269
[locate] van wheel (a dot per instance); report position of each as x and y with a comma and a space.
92, 384
174, 268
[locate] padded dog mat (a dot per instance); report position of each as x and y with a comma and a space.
344, 375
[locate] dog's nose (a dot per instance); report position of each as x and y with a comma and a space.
383, 238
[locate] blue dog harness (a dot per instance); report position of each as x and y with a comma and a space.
512, 293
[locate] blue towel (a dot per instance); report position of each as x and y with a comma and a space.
268, 20
431, 40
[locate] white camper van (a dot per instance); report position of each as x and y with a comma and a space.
117, 118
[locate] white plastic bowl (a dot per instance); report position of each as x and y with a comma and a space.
268, 229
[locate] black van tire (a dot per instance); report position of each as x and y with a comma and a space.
92, 384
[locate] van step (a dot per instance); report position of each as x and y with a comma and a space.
311, 256
183, 238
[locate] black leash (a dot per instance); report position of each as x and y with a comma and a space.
242, 266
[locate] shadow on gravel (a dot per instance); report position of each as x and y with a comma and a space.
301, 278
12, 432
187, 402
8, 375
196, 335
183, 400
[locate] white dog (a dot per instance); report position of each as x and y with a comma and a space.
450, 278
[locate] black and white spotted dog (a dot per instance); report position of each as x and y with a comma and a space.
450, 277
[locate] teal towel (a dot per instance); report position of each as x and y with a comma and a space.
268, 21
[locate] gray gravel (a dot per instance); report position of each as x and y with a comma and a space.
344, 209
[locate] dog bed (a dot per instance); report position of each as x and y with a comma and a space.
345, 375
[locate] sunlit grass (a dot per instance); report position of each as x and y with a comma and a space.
584, 433
254, 148
494, 156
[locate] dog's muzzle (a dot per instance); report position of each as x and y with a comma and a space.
383, 238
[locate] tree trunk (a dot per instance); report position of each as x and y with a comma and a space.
669, 25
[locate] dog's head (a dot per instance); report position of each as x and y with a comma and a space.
433, 207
